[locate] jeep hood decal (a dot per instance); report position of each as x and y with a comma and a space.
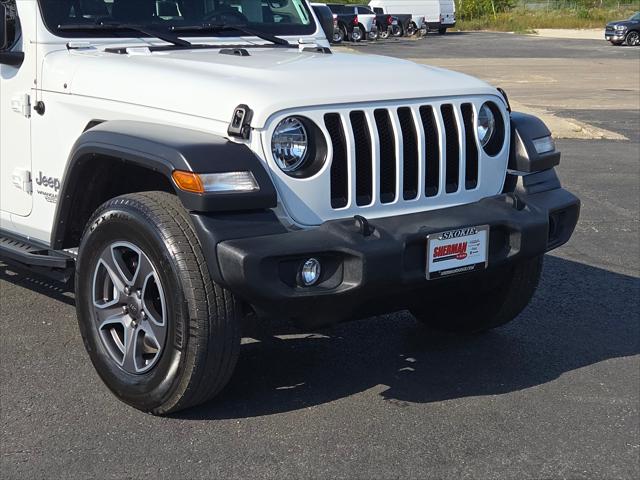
208, 84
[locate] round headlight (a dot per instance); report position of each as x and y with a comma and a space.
290, 144
486, 124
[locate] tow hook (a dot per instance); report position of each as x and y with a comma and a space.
363, 226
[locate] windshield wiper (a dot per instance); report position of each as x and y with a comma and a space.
212, 27
152, 32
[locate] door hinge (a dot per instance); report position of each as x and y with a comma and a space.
21, 178
22, 104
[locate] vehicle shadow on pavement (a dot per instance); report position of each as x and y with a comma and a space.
581, 315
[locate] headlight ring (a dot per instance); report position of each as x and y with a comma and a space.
298, 147
490, 128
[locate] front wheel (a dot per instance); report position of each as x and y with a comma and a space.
480, 304
633, 38
160, 333
412, 29
384, 33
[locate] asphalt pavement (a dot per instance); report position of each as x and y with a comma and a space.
554, 394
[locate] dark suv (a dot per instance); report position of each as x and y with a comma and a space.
624, 31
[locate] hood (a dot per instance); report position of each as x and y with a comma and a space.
209, 84
626, 23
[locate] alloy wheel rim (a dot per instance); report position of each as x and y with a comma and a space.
129, 307
633, 39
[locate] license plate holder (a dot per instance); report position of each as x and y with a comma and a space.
457, 251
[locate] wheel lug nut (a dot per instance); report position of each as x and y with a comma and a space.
139, 293
127, 290
125, 309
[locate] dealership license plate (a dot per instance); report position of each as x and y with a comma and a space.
462, 250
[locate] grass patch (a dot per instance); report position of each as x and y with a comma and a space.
527, 21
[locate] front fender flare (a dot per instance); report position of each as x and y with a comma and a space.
163, 149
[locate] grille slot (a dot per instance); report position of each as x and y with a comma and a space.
471, 150
410, 181
432, 151
452, 149
364, 176
339, 164
387, 156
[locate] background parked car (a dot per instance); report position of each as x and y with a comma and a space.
624, 31
366, 19
406, 26
347, 26
387, 24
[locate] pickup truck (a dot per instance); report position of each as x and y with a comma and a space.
365, 20
408, 24
387, 24
186, 167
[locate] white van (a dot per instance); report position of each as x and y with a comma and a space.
438, 14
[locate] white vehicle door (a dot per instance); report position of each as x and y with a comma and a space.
16, 82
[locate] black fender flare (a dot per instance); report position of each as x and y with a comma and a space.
523, 156
163, 149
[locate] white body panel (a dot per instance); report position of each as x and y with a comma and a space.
79, 85
16, 85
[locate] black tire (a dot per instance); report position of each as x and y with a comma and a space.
442, 31
383, 33
632, 39
398, 31
356, 34
469, 308
339, 35
202, 320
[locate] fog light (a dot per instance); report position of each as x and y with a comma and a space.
310, 272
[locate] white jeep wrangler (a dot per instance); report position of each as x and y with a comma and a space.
188, 163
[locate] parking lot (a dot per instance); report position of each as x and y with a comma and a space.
554, 394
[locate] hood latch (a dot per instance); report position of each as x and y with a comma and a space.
240, 125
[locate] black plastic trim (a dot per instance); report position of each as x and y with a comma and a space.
389, 263
164, 149
13, 59
523, 156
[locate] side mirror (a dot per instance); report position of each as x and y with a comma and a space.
3, 27
325, 17
13, 59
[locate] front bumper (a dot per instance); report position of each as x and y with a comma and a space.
614, 37
364, 275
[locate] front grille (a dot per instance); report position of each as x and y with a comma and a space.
392, 158
392, 163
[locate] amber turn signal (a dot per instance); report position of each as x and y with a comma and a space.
188, 181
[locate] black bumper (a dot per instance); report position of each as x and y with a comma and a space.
364, 275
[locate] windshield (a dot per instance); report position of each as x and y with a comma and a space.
278, 17
635, 16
